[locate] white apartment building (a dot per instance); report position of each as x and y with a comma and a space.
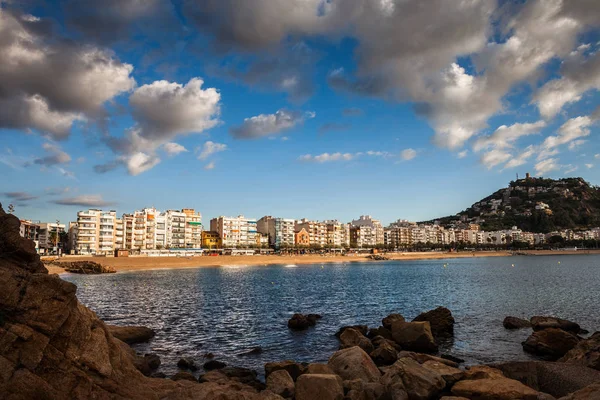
95, 232
338, 234
317, 232
144, 229
193, 228
235, 231
281, 231
175, 229
373, 232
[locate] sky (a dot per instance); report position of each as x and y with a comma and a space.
319, 109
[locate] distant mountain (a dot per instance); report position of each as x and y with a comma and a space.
535, 205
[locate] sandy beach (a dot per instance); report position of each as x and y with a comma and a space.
138, 263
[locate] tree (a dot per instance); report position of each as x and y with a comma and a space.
11, 209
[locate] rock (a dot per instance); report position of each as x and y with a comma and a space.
422, 358
208, 355
415, 336
390, 319
450, 374
213, 364
253, 351
379, 340
187, 363
131, 334
591, 392
352, 337
381, 331
293, 368
354, 363
268, 395
452, 358
361, 328
417, 381
319, 386
316, 368
359, 390
384, 354
160, 375
230, 375
281, 383
183, 375
550, 343
483, 372
440, 320
496, 389
147, 364
453, 398
300, 322
516, 323
85, 267
539, 323
586, 352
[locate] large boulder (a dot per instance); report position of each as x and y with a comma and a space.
319, 386
586, 352
539, 323
414, 336
390, 319
417, 381
550, 343
131, 334
483, 372
352, 337
516, 323
281, 383
384, 354
147, 364
423, 358
361, 328
229, 375
354, 363
380, 331
292, 367
441, 321
494, 389
450, 374
359, 390
317, 368
591, 392
300, 322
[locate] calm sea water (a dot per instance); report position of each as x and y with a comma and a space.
228, 311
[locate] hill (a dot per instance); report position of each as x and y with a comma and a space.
535, 205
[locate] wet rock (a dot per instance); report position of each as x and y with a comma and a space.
483, 372
450, 357
253, 351
293, 368
380, 331
208, 355
317, 386
423, 358
352, 337
317, 368
440, 320
414, 336
361, 328
417, 381
182, 375
586, 352
187, 363
147, 364
354, 363
281, 383
390, 319
213, 364
497, 389
384, 354
450, 374
539, 323
516, 323
550, 343
131, 334
300, 322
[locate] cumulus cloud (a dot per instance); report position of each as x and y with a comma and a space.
209, 148
20, 196
326, 157
589, 166
506, 136
269, 124
46, 83
494, 157
521, 158
140, 162
547, 165
90, 200
56, 156
571, 130
408, 154
173, 149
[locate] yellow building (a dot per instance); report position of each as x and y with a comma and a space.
211, 240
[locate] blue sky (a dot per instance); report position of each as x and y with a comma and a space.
292, 108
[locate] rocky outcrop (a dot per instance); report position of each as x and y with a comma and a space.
293, 368
586, 353
516, 323
229, 375
281, 383
390, 319
352, 337
359, 390
440, 320
319, 386
539, 323
384, 354
131, 334
213, 364
84, 267
317, 368
300, 322
361, 328
354, 363
417, 381
550, 343
53, 347
414, 336
497, 389
450, 374
591, 392
187, 363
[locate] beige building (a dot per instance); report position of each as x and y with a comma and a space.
280, 231
317, 232
235, 231
366, 232
338, 234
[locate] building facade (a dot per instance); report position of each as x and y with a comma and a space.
280, 231
235, 231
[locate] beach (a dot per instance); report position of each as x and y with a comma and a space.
139, 263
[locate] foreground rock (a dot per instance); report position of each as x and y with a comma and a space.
591, 392
131, 334
586, 353
318, 386
550, 343
450, 374
516, 323
281, 383
352, 337
390, 319
53, 347
354, 363
539, 323
361, 328
440, 320
300, 322
496, 389
227, 375
293, 368
417, 381
414, 336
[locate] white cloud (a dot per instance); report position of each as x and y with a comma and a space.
140, 162
172, 148
506, 136
494, 157
547, 165
209, 148
408, 154
209, 166
462, 154
574, 128
326, 157
521, 158
570, 168
268, 124
90, 200
589, 166
597, 156
576, 144
56, 155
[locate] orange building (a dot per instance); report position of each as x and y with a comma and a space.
211, 240
302, 238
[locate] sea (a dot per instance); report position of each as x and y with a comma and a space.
230, 310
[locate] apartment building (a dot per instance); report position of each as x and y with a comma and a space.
317, 232
95, 232
28, 230
175, 229
338, 234
144, 229
366, 232
281, 231
193, 228
235, 231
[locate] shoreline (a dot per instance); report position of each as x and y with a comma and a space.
142, 263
